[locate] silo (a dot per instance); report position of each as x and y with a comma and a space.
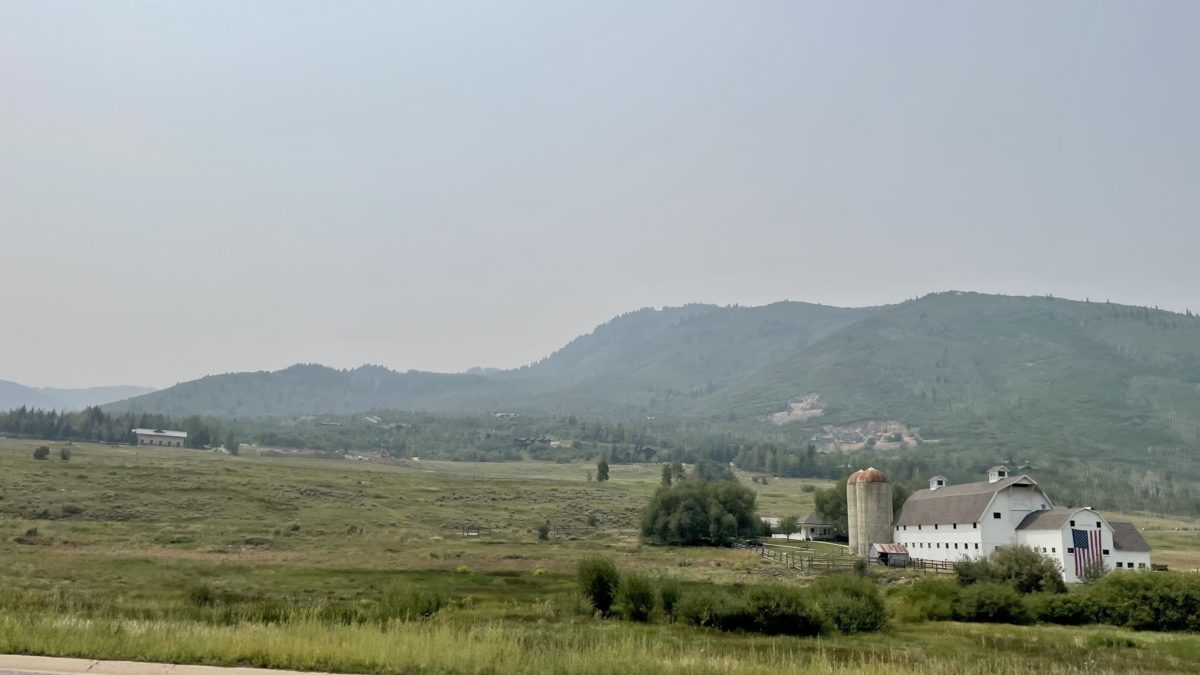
869, 510
852, 511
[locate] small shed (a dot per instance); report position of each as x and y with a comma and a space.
889, 555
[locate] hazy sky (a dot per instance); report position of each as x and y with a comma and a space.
201, 187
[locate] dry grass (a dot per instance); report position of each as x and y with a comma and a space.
110, 577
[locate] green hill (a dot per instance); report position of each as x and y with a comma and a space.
1104, 398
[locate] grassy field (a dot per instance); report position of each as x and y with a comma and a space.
186, 556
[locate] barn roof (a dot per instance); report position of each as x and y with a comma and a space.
1050, 519
954, 503
1127, 538
890, 548
161, 432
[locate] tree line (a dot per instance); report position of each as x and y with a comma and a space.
93, 424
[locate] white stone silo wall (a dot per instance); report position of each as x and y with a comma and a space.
875, 509
852, 515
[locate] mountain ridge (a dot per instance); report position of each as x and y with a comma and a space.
15, 395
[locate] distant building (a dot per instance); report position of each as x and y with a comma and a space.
891, 555
161, 437
813, 527
808, 528
952, 522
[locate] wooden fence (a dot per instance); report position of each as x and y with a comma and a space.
801, 563
840, 563
470, 530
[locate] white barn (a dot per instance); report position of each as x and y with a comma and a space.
161, 437
951, 522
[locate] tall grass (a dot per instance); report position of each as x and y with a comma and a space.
450, 647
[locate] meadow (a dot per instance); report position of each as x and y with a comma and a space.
194, 557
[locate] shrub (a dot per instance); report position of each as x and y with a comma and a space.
973, 571
860, 568
462, 569
1021, 567
203, 596
637, 598
774, 611
72, 510
41, 452
851, 603
1026, 570
784, 611
409, 604
543, 531
1093, 572
64, 454
1166, 601
928, 600
668, 598
716, 609
990, 602
599, 581
1068, 609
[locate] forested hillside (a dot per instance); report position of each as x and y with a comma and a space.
1104, 397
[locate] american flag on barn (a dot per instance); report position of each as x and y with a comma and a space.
1088, 549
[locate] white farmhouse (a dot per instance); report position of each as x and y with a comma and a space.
951, 522
161, 437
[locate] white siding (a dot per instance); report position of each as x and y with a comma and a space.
940, 541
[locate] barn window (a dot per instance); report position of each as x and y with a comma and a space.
1105, 551
974, 526
996, 515
1053, 549
1141, 565
935, 526
976, 547
954, 526
918, 527
1097, 524
1072, 523
956, 546
1070, 550
1043, 549
1119, 565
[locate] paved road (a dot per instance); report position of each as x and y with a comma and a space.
46, 665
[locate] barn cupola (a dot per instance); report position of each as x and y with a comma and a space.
997, 473
937, 482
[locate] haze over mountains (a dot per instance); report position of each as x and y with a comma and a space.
1016, 372
14, 395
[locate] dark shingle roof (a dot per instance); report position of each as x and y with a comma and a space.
1127, 538
1051, 519
954, 503
812, 519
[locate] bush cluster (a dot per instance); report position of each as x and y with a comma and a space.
845, 603
1021, 567
1161, 601
700, 512
773, 611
